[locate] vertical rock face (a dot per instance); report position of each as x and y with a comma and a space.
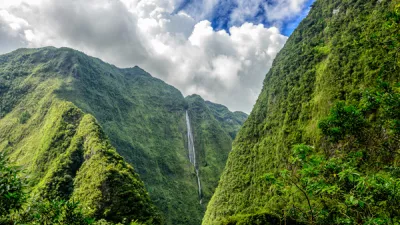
339, 52
139, 116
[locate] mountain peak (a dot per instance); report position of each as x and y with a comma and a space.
139, 116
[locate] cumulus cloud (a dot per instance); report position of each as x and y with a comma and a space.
227, 68
174, 45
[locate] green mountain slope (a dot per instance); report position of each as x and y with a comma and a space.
143, 117
345, 50
67, 155
230, 121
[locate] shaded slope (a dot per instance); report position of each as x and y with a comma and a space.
339, 51
230, 121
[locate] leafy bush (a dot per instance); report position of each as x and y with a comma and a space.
11, 187
343, 120
321, 190
53, 212
385, 99
24, 117
14, 208
104, 222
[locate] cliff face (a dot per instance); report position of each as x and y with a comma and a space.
341, 53
214, 128
63, 114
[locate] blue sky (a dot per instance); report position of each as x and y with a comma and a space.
220, 15
291, 25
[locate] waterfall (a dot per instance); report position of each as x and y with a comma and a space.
192, 153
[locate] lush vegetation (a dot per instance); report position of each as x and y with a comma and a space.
63, 150
11, 187
357, 184
73, 160
333, 86
15, 209
336, 190
230, 121
46, 97
213, 127
13, 196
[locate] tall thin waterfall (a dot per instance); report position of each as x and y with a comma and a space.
192, 153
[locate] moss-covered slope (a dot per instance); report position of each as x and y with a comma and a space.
143, 117
338, 53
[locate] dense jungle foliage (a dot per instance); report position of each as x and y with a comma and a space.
13, 195
321, 144
63, 114
69, 157
356, 183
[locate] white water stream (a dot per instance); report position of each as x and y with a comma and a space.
192, 153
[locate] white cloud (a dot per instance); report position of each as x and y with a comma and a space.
200, 9
12, 31
246, 9
284, 9
227, 68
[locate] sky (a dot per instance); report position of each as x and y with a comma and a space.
219, 49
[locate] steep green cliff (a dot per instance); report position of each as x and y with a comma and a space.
333, 86
46, 93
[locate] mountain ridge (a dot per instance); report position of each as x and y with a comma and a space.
142, 116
